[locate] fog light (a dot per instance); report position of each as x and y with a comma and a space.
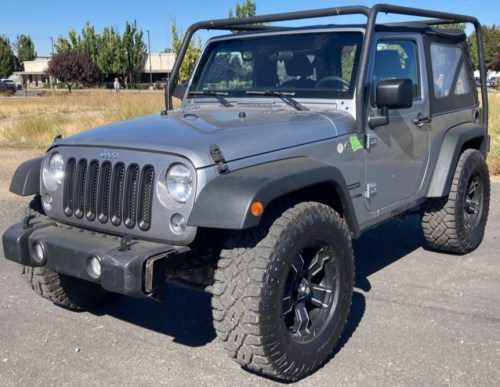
94, 267
48, 201
39, 252
178, 223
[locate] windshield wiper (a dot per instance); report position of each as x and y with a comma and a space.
284, 96
217, 95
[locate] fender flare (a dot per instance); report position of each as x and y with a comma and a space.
449, 153
26, 179
225, 202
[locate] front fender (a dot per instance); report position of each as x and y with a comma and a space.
26, 179
225, 201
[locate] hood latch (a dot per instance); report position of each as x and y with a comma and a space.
217, 158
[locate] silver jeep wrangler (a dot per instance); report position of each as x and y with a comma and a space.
289, 143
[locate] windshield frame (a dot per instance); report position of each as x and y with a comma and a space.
280, 36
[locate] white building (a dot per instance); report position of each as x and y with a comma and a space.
156, 67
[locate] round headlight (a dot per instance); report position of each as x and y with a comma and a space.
179, 182
56, 167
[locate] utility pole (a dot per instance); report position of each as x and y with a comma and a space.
149, 57
52, 45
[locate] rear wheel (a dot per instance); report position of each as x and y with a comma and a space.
283, 291
70, 292
456, 223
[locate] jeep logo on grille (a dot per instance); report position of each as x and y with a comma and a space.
109, 155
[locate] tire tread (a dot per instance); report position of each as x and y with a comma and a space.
241, 275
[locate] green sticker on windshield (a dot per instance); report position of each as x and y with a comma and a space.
357, 142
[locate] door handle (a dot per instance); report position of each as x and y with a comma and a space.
421, 119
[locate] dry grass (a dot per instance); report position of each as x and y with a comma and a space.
494, 131
34, 122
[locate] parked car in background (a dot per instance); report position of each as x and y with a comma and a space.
7, 85
12, 84
478, 81
492, 81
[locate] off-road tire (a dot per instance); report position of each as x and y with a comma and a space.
256, 279
456, 223
70, 292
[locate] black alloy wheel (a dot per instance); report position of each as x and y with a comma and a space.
311, 293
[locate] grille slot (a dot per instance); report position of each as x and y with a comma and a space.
117, 194
111, 193
91, 194
104, 192
146, 197
69, 186
132, 185
81, 175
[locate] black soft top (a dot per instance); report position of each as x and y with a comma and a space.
450, 33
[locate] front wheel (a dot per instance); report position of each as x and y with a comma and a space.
283, 291
70, 292
456, 223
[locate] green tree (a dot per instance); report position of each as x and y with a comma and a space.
109, 60
458, 26
132, 51
90, 43
246, 9
6, 58
72, 43
25, 50
112, 53
496, 63
491, 46
192, 54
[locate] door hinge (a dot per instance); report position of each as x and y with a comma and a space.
370, 140
370, 190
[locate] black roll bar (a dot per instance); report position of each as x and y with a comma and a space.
362, 84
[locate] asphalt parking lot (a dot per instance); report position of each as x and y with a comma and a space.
419, 318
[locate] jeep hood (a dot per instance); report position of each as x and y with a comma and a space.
239, 132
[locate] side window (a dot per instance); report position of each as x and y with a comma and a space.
445, 60
398, 59
462, 86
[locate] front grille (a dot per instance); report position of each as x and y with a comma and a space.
110, 193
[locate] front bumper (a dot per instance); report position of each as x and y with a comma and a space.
138, 270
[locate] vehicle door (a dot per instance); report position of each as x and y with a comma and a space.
397, 154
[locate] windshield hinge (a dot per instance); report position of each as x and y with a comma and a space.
217, 158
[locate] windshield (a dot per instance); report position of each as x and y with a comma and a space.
307, 65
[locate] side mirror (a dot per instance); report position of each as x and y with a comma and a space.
391, 94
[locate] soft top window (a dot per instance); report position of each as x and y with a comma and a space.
452, 76
445, 61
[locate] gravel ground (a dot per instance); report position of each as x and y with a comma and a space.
419, 318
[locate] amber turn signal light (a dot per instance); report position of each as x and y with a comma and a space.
257, 208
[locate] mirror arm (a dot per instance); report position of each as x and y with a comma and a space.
373, 121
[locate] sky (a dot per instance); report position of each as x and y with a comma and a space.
53, 18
